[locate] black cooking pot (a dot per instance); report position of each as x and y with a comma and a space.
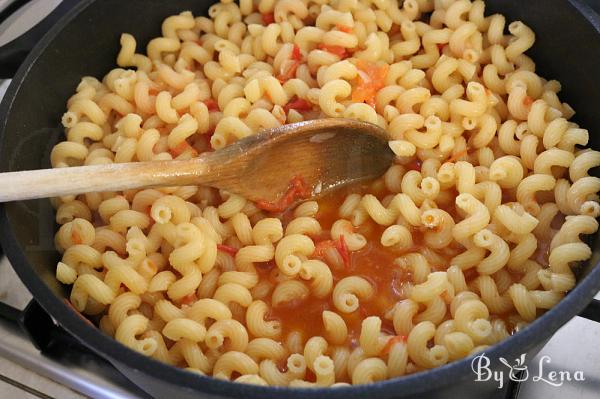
85, 41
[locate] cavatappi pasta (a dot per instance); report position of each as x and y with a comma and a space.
469, 236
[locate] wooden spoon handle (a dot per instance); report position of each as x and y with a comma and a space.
99, 178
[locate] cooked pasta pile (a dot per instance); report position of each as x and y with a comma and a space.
469, 236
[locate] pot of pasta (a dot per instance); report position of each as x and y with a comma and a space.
479, 239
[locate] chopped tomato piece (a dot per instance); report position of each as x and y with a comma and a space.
396, 339
310, 375
268, 18
296, 53
211, 104
288, 73
227, 249
337, 50
445, 295
207, 136
343, 250
344, 28
458, 155
340, 245
181, 148
273, 207
298, 104
414, 165
371, 79
297, 190
290, 68
527, 101
75, 237
300, 188
441, 46
322, 246
151, 264
188, 299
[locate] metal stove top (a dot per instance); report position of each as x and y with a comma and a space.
26, 373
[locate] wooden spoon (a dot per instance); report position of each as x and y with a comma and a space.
326, 153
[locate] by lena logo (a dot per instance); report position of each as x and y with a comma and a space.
519, 372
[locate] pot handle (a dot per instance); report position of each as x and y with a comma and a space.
13, 53
44, 332
592, 311
39, 326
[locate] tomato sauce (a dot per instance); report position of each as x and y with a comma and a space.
374, 262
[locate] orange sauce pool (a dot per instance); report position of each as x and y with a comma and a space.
376, 264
